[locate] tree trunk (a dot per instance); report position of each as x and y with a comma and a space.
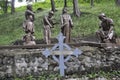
65, 3
6, 6
12, 6
76, 10
92, 3
117, 2
53, 6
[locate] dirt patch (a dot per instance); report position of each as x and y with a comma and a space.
54, 40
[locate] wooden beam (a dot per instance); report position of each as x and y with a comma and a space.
38, 46
25, 46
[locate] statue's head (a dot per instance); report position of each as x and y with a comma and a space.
102, 16
51, 13
64, 10
29, 7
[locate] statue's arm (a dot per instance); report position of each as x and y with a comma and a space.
111, 25
71, 22
32, 13
48, 22
61, 19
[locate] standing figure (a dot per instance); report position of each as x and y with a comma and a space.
67, 25
106, 32
47, 25
29, 28
28, 25
29, 12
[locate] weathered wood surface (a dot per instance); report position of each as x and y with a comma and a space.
38, 46
65, 52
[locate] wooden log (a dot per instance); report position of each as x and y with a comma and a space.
38, 46
26, 46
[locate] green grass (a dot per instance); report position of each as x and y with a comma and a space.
108, 75
11, 25
41, 77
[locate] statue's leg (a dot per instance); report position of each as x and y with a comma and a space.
66, 31
99, 36
46, 36
49, 36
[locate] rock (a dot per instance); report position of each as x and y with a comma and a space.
21, 62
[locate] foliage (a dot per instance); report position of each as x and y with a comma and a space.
109, 75
87, 24
96, 1
2, 6
11, 25
41, 77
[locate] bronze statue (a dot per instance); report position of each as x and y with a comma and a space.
29, 27
106, 30
47, 25
67, 25
29, 12
28, 24
29, 39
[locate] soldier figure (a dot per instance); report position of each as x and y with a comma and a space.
29, 12
106, 33
28, 25
67, 25
47, 25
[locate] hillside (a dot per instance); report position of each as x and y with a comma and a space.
11, 25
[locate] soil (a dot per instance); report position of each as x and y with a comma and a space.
91, 38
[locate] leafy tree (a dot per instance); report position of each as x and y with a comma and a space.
4, 5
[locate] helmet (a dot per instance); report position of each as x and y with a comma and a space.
51, 12
65, 10
101, 15
29, 6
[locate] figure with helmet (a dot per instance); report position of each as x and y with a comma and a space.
47, 25
29, 22
106, 32
28, 26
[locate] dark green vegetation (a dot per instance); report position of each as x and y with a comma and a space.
11, 25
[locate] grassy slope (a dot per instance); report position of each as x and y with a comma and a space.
11, 25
